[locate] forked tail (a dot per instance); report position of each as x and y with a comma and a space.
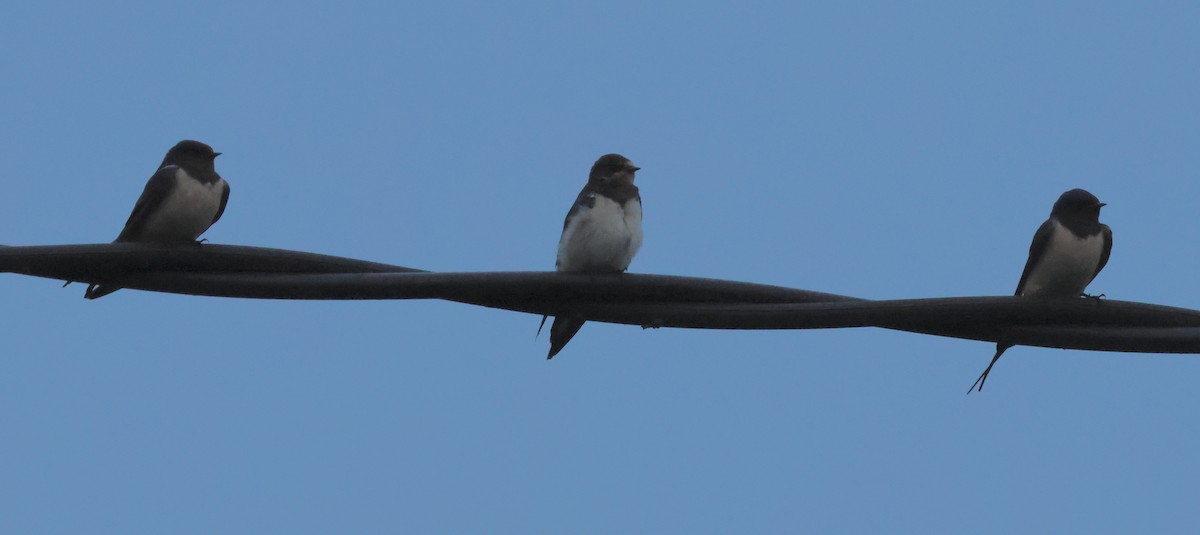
1001, 347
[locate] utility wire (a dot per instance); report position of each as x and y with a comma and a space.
645, 300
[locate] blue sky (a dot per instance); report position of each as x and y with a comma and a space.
875, 149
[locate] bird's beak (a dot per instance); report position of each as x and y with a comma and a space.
215, 154
1101, 205
635, 169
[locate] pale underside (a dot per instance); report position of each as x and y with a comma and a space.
602, 238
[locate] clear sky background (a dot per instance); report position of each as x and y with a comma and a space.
877, 149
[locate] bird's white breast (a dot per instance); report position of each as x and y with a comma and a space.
604, 237
186, 212
1067, 265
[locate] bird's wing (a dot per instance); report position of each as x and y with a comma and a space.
1106, 233
1041, 239
586, 199
570, 233
561, 332
158, 188
224, 200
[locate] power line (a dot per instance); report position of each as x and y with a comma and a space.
635, 299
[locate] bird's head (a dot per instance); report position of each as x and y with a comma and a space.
190, 154
612, 170
1079, 204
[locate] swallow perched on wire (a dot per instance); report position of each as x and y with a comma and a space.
601, 234
1068, 251
181, 200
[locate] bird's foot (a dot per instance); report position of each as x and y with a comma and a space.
1094, 297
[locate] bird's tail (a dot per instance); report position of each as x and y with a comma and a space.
1001, 347
96, 291
561, 332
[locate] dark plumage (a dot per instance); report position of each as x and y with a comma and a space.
1067, 252
181, 200
601, 233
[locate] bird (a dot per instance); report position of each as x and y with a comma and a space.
601, 233
181, 201
1067, 252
